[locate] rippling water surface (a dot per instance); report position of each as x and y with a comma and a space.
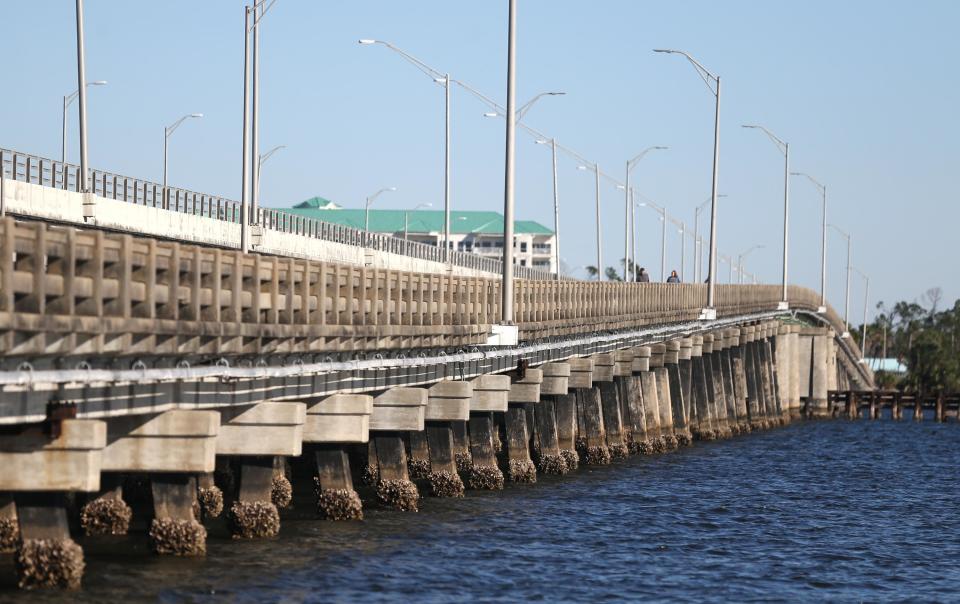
828, 510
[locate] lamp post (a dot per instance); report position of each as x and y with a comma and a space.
262, 159
444, 80
596, 169
556, 204
823, 240
713, 84
740, 258
67, 101
784, 148
663, 235
866, 296
83, 185
506, 289
166, 136
628, 207
698, 240
366, 213
683, 249
406, 217
846, 296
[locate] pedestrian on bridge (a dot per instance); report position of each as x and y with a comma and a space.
673, 278
644, 276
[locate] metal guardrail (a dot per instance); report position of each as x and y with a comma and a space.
38, 170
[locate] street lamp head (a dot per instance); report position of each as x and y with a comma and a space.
491, 114
97, 83
367, 41
555, 93
660, 148
391, 188
664, 50
440, 80
540, 141
196, 115
621, 187
582, 168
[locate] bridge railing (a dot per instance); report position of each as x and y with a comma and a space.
52, 173
66, 292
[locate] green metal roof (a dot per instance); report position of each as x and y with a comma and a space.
421, 221
317, 203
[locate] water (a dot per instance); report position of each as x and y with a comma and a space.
845, 511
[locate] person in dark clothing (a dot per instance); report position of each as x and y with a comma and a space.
644, 276
673, 278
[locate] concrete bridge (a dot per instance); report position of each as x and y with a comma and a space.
149, 367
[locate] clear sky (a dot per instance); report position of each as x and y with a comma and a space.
866, 92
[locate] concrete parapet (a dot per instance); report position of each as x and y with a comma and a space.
341, 418
263, 429
180, 440
32, 461
449, 401
490, 393
399, 409
556, 378
581, 372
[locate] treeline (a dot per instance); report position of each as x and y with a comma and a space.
920, 335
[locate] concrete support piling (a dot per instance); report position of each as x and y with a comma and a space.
612, 420
592, 441
46, 556
550, 460
444, 479
673, 395
253, 514
174, 529
485, 473
336, 497
394, 487
105, 512
705, 427
565, 410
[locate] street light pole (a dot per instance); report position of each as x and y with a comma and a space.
83, 185
823, 240
740, 258
67, 101
631, 164
683, 250
406, 218
166, 135
262, 159
506, 289
599, 242
866, 297
366, 214
710, 311
846, 297
784, 148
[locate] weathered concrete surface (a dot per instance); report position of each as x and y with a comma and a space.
31, 461
556, 378
490, 393
341, 418
180, 440
449, 401
399, 409
263, 429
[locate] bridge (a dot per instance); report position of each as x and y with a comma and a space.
150, 366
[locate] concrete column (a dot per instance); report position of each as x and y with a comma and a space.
768, 369
641, 441
738, 377
565, 411
624, 380
461, 448
524, 390
9, 532
46, 556
712, 343
782, 360
688, 347
681, 429
592, 438
821, 366
485, 474
722, 376
550, 461
664, 402
444, 479
333, 424
612, 420
651, 399
705, 428
336, 497
795, 371
394, 487
105, 512
254, 514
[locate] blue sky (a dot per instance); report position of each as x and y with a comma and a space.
865, 92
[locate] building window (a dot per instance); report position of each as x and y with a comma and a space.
523, 246
523, 263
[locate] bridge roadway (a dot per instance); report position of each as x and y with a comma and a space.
167, 379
